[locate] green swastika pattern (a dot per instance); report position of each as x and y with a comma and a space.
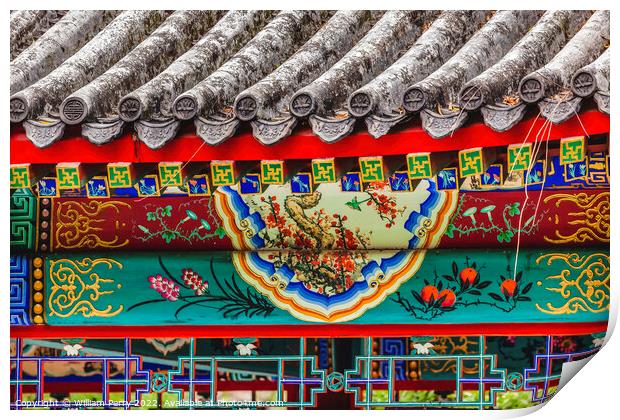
419, 166
170, 175
323, 171
20, 177
519, 157
272, 173
119, 176
470, 162
222, 174
68, 177
371, 169
572, 150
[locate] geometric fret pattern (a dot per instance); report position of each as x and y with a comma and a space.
592, 172
19, 295
69, 176
122, 181
23, 214
419, 165
471, 162
132, 377
323, 171
272, 172
120, 175
170, 174
223, 173
489, 380
546, 368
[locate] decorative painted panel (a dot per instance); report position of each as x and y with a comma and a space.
365, 287
590, 172
327, 219
395, 243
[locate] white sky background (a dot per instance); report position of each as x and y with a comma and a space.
592, 394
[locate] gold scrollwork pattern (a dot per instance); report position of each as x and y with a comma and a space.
583, 282
77, 224
76, 287
452, 345
589, 223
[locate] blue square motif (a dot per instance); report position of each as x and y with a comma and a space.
250, 184
48, 188
198, 185
97, 187
446, 179
399, 181
577, 170
537, 174
301, 184
492, 176
148, 186
351, 182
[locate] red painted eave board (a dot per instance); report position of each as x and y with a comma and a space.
301, 145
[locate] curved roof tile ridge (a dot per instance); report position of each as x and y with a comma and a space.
57, 44
97, 101
27, 25
497, 87
212, 99
154, 99
380, 99
586, 45
484, 48
266, 102
326, 96
100, 53
550, 85
593, 79
159, 73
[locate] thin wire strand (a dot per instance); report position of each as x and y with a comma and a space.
548, 124
162, 187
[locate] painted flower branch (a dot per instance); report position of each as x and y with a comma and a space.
504, 230
161, 215
463, 288
344, 249
384, 205
194, 291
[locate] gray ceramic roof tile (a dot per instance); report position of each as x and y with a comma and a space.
155, 71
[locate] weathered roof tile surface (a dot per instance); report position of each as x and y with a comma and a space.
152, 71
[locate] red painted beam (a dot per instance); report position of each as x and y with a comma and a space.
308, 330
301, 145
73, 149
